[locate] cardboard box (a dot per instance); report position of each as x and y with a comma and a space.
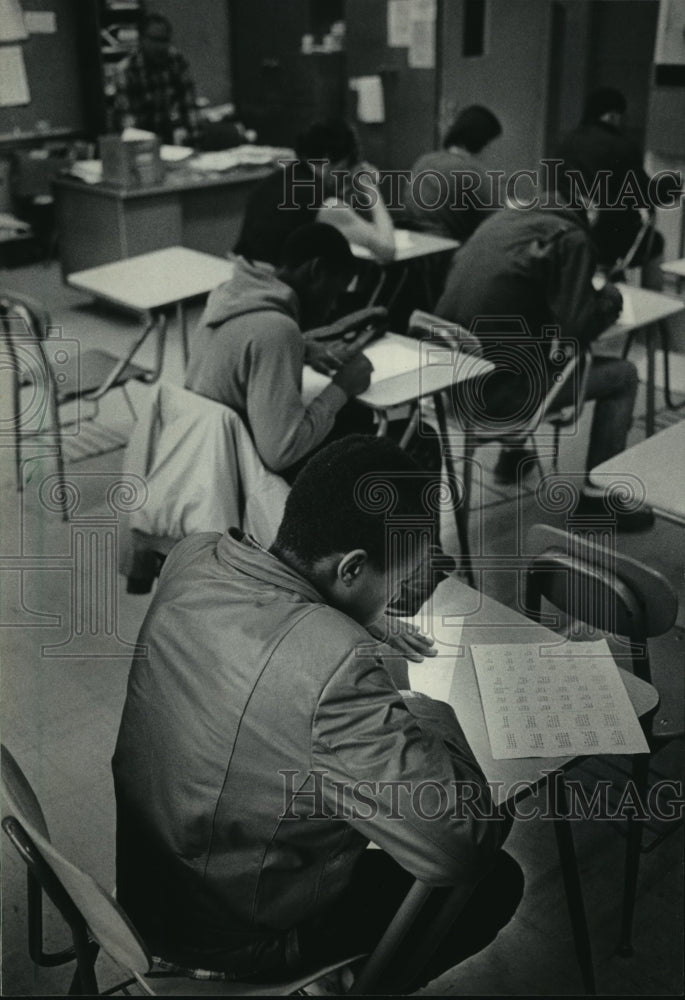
131, 163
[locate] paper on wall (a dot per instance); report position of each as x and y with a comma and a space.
399, 23
14, 85
40, 22
370, 101
421, 53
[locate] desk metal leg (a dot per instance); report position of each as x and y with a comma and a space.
461, 511
651, 403
663, 331
569, 870
633, 848
183, 327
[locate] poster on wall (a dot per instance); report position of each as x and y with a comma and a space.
421, 53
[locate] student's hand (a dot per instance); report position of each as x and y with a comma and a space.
403, 636
612, 300
355, 376
328, 358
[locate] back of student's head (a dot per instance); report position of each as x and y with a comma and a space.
331, 140
317, 240
602, 101
342, 499
473, 128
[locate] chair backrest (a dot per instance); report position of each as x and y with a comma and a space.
78, 897
604, 589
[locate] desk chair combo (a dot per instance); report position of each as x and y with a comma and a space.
96, 921
573, 370
57, 373
615, 595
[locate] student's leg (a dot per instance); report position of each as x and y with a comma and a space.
612, 384
379, 885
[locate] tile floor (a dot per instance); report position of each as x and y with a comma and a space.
61, 701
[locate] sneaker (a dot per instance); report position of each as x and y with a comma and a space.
629, 517
506, 470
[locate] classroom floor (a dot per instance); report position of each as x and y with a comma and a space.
61, 703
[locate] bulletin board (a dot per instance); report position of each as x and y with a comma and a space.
53, 73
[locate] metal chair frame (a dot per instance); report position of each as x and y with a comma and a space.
103, 923
617, 595
36, 325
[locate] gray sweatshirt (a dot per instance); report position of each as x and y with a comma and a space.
248, 353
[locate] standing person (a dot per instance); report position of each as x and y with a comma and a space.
327, 183
265, 705
154, 88
524, 270
599, 149
449, 193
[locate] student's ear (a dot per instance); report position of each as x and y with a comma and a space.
351, 567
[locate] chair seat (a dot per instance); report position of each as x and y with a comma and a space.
95, 365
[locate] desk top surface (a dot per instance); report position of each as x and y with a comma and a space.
676, 267
643, 307
487, 621
658, 462
410, 245
405, 370
156, 279
176, 181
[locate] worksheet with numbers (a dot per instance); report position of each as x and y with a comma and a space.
555, 705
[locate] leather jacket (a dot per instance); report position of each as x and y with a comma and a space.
262, 741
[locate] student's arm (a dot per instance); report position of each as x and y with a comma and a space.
581, 311
376, 234
411, 782
284, 430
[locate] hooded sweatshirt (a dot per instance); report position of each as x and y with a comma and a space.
248, 353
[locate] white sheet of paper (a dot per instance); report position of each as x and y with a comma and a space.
40, 22
555, 705
628, 311
370, 99
14, 85
399, 23
435, 675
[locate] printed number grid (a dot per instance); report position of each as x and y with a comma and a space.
555, 706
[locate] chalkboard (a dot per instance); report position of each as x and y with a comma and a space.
54, 77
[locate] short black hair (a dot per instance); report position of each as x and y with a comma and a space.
602, 101
343, 496
331, 140
318, 240
473, 128
153, 18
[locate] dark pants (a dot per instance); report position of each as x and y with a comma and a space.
612, 385
379, 885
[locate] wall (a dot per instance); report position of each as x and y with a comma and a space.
52, 68
201, 33
511, 78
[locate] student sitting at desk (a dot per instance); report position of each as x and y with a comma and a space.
248, 351
262, 706
325, 184
450, 194
535, 263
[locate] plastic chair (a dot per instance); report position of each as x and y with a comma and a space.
613, 594
97, 921
576, 367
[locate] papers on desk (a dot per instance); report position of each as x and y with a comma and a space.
555, 705
89, 171
388, 363
241, 156
403, 241
627, 315
435, 674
